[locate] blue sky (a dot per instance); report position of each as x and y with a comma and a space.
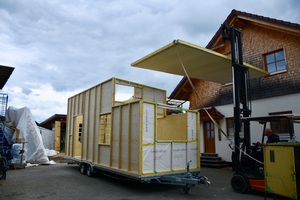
59, 48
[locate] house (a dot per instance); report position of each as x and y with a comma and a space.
56, 123
269, 44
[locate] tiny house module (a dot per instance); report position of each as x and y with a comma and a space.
126, 130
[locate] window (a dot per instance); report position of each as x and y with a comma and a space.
79, 132
210, 130
275, 61
105, 129
280, 127
230, 128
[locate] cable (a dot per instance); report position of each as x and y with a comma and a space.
195, 91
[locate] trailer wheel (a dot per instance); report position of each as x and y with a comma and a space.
186, 188
239, 183
89, 171
82, 168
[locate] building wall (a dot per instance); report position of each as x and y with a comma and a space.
275, 93
257, 41
261, 107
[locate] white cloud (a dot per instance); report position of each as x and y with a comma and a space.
42, 100
58, 47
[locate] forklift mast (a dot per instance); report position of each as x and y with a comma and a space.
241, 103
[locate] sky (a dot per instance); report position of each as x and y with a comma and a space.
62, 47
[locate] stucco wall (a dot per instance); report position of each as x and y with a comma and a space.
259, 108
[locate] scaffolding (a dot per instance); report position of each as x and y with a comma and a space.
3, 107
3, 104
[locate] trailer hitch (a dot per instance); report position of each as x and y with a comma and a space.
204, 180
201, 179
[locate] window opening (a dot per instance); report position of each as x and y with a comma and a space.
280, 126
124, 93
105, 129
275, 61
230, 128
79, 132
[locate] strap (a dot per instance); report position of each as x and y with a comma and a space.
215, 123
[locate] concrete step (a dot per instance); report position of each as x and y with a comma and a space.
212, 160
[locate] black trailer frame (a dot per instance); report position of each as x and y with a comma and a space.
187, 180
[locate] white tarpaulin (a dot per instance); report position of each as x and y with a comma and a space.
192, 154
29, 133
47, 137
148, 123
179, 160
192, 127
163, 157
148, 159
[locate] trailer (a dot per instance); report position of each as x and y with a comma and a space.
127, 130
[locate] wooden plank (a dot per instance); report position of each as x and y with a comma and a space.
135, 142
96, 127
116, 129
57, 129
123, 151
172, 127
82, 111
129, 138
107, 99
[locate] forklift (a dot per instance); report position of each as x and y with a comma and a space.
248, 158
249, 176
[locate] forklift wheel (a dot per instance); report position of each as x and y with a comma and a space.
239, 183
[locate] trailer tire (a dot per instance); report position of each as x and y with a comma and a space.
82, 168
239, 183
89, 171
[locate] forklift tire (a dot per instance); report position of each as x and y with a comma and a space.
82, 168
239, 183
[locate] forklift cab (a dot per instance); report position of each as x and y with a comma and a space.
250, 169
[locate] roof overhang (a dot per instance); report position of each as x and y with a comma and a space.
5, 73
199, 62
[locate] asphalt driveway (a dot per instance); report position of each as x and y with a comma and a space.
64, 181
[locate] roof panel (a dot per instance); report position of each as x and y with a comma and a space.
199, 62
